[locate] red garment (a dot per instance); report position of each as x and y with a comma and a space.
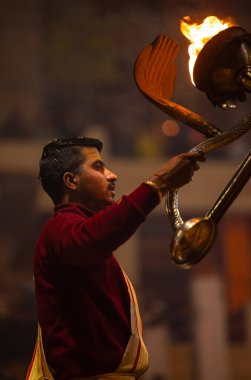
82, 299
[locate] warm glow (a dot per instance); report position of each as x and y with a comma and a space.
200, 34
170, 128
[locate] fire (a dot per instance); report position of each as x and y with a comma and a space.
200, 34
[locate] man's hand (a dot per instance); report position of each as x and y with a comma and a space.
177, 171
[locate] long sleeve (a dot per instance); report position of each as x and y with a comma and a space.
100, 233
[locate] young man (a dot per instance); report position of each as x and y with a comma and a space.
89, 323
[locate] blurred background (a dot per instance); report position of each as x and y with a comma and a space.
66, 69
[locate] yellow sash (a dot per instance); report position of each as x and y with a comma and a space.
38, 369
132, 365
135, 360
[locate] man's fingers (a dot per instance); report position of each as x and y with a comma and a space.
195, 165
199, 156
193, 158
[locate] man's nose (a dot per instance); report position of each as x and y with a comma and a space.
111, 176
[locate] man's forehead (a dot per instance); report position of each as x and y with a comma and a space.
90, 152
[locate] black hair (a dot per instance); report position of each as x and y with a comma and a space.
60, 156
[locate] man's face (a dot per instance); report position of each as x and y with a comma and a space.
95, 183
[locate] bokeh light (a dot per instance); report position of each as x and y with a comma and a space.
170, 128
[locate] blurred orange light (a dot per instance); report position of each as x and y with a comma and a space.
170, 128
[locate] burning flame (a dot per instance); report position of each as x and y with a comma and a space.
200, 34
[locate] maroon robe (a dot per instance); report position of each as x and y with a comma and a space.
82, 297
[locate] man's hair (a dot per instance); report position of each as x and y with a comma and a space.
60, 156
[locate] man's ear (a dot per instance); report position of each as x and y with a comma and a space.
70, 180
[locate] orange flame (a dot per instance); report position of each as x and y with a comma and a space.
200, 34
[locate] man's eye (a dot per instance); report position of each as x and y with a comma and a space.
99, 165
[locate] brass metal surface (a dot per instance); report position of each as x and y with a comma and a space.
192, 241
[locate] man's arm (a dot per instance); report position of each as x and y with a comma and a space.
106, 230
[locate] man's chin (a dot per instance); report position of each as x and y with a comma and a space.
110, 202
107, 203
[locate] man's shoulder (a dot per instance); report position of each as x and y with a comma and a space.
64, 215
